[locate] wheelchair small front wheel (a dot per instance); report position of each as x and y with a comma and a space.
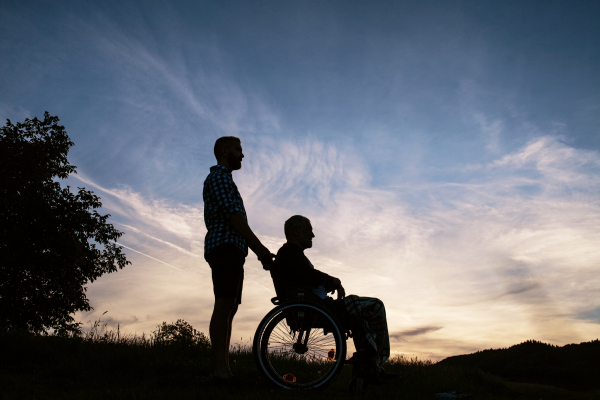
299, 346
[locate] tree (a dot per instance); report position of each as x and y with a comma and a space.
182, 333
53, 242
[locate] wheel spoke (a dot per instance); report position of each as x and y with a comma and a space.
280, 355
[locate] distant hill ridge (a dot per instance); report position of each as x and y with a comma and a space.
572, 366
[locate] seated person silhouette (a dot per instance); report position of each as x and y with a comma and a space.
366, 315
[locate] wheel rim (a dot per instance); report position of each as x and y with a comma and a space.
309, 362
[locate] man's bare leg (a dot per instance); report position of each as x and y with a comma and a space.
231, 315
220, 334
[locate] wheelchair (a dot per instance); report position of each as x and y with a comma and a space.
300, 344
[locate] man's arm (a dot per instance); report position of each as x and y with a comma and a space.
239, 223
331, 283
305, 272
221, 188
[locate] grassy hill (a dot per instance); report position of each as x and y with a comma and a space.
110, 366
573, 366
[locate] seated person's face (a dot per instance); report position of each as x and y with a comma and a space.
305, 235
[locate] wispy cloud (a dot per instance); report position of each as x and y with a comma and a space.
179, 248
482, 256
14, 113
155, 259
413, 332
491, 130
179, 220
201, 84
592, 315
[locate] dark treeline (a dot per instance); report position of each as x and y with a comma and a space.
573, 366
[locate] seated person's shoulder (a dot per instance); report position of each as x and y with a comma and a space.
289, 248
287, 253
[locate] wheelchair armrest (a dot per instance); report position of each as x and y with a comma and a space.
294, 294
301, 293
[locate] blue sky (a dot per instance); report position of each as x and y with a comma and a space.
447, 152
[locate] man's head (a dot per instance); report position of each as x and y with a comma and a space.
298, 230
228, 152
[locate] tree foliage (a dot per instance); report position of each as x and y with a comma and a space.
53, 242
182, 333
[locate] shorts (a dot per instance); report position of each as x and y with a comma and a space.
227, 265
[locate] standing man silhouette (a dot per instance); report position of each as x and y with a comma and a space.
226, 246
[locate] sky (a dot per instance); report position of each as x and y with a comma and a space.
447, 153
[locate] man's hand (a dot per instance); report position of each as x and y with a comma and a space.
341, 293
265, 257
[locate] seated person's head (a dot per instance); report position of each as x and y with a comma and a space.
298, 230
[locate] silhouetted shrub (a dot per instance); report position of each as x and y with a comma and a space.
182, 333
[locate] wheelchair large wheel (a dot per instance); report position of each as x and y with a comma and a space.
299, 346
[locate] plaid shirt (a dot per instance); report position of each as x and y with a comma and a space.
221, 200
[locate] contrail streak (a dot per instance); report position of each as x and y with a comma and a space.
264, 287
181, 249
172, 266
